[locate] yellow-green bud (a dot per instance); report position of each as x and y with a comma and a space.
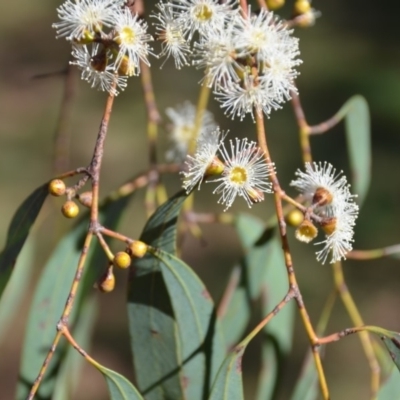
294, 218
138, 249
275, 4
86, 199
122, 260
57, 187
70, 209
301, 7
106, 283
306, 231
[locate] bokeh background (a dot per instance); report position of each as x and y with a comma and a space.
353, 48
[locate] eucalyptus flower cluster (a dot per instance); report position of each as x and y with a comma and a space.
249, 60
332, 204
108, 41
242, 171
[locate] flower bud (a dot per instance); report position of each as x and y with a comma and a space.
138, 248
126, 67
216, 167
275, 4
86, 199
329, 225
306, 232
70, 209
294, 218
255, 195
322, 197
57, 187
122, 260
301, 7
106, 283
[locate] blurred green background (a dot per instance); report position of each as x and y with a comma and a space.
353, 48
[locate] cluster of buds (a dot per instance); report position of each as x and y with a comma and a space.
332, 206
58, 188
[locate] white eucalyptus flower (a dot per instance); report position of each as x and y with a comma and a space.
245, 175
95, 70
77, 17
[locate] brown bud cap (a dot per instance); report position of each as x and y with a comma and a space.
322, 197
329, 225
99, 62
301, 7
122, 260
215, 168
294, 218
70, 209
57, 187
306, 232
126, 67
86, 199
255, 195
275, 4
138, 249
106, 283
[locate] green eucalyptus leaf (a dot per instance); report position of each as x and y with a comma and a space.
306, 387
50, 297
153, 329
70, 371
119, 387
237, 313
16, 288
228, 384
18, 231
391, 388
357, 122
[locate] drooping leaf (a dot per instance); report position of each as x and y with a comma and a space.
266, 276
228, 384
70, 371
237, 314
357, 123
200, 337
249, 229
278, 333
306, 387
16, 288
119, 387
391, 388
153, 329
391, 340
176, 342
18, 231
50, 297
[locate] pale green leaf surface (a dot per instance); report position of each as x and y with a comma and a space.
18, 231
119, 387
357, 122
390, 390
50, 296
306, 387
16, 288
228, 384
70, 371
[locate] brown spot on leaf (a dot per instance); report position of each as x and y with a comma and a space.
185, 382
205, 293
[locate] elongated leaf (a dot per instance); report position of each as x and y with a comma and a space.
154, 340
50, 297
307, 384
357, 122
200, 337
70, 371
228, 383
119, 387
18, 231
237, 314
16, 288
176, 342
249, 229
390, 339
267, 277
391, 388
